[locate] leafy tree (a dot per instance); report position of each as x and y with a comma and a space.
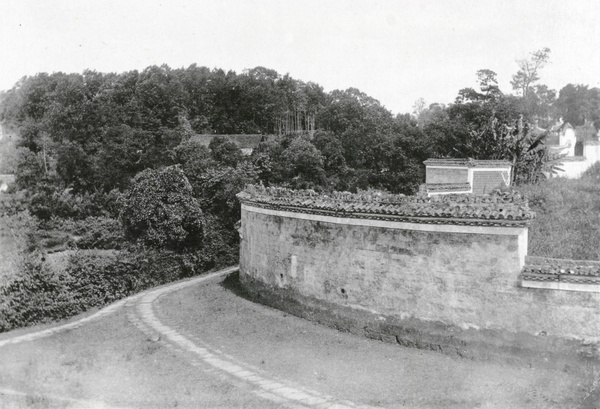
266, 159
194, 159
540, 104
464, 131
160, 97
332, 150
195, 84
217, 187
225, 151
120, 157
160, 210
33, 168
578, 103
488, 85
528, 72
433, 113
359, 122
302, 164
418, 107
74, 166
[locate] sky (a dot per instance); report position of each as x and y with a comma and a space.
396, 51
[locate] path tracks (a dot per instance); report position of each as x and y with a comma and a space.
140, 312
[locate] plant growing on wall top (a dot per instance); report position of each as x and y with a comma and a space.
499, 205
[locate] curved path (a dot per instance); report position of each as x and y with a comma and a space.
141, 315
277, 391
215, 340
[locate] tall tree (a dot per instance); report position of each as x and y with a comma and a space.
529, 71
577, 103
488, 86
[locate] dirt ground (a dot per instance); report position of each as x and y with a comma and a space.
361, 370
110, 363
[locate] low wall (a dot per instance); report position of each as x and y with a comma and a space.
573, 167
429, 273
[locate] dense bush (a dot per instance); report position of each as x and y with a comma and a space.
51, 201
42, 294
12, 203
160, 210
101, 233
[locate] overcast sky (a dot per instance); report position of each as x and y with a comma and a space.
396, 51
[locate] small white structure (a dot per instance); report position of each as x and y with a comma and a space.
578, 148
562, 139
447, 176
5, 181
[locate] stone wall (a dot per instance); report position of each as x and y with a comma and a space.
444, 284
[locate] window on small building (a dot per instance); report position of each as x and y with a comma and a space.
579, 149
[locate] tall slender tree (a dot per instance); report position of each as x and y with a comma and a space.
529, 71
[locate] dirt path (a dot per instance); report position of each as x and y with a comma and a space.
199, 344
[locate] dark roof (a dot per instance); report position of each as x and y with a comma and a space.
245, 141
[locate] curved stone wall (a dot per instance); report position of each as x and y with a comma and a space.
422, 272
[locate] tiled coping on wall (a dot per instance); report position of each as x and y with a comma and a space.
496, 209
446, 187
561, 274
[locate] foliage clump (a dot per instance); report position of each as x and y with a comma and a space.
160, 210
40, 293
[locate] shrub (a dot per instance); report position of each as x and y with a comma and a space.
102, 233
91, 279
12, 203
95, 232
225, 151
50, 201
160, 210
37, 295
217, 188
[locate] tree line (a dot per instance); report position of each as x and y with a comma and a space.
90, 134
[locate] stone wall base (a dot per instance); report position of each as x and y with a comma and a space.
519, 349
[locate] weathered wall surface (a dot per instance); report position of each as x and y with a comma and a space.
446, 175
438, 286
